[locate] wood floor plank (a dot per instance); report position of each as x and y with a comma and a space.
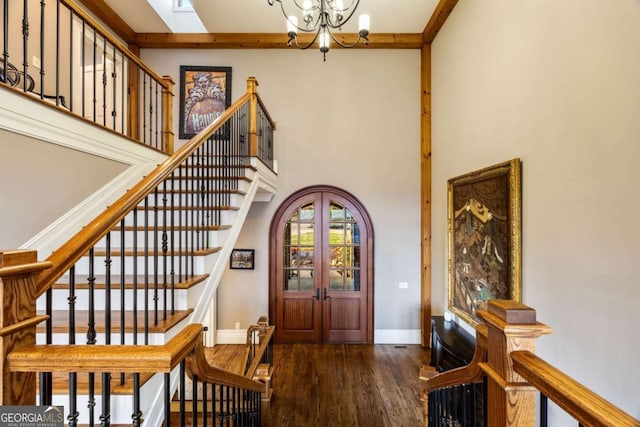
347, 385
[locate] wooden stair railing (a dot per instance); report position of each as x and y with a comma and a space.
514, 376
184, 350
150, 244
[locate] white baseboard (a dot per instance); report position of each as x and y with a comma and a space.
397, 336
231, 336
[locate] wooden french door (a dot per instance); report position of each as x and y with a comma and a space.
321, 258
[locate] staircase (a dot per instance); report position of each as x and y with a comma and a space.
144, 270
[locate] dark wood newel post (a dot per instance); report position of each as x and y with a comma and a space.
18, 320
512, 326
167, 115
252, 88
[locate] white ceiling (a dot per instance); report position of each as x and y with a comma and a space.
256, 16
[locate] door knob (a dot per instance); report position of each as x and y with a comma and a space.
325, 296
317, 295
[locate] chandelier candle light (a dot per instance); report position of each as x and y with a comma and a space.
321, 17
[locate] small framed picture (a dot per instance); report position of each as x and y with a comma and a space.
242, 259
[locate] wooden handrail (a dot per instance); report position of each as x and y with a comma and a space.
115, 358
257, 358
467, 374
70, 252
106, 34
198, 364
577, 400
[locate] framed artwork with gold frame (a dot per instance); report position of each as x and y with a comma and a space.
484, 238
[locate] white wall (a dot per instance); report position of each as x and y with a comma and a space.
352, 122
556, 83
41, 182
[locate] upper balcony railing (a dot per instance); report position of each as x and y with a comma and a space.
54, 51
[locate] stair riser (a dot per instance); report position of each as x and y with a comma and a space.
82, 299
81, 338
82, 266
199, 217
185, 199
178, 240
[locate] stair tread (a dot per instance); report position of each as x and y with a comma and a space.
141, 253
60, 320
191, 208
174, 228
230, 357
100, 282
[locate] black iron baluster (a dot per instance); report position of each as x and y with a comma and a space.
182, 197
114, 97
91, 331
182, 393
151, 143
136, 416
165, 248
82, 80
134, 303
544, 408
204, 403
156, 251
200, 201
107, 290
173, 244
192, 246
5, 33
71, 80
104, 81
146, 270
167, 399
227, 405
122, 94
144, 103
95, 82
42, 30
122, 287
207, 181
25, 42
105, 417
157, 114
72, 418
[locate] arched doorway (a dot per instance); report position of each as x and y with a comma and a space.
321, 268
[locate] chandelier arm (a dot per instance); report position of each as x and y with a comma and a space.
303, 47
339, 43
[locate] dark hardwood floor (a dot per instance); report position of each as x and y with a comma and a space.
347, 385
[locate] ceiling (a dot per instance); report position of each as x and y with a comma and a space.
256, 16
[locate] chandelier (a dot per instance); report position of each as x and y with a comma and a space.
321, 17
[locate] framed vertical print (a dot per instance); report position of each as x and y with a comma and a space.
484, 237
205, 92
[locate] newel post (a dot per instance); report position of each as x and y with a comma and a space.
167, 115
512, 326
252, 88
18, 320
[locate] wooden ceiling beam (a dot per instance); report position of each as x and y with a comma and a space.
438, 18
267, 40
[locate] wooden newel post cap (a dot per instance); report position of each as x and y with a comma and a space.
512, 311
